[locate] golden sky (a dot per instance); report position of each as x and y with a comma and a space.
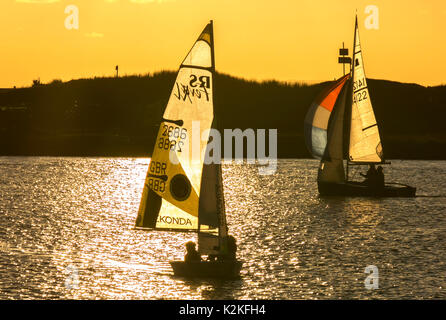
289, 40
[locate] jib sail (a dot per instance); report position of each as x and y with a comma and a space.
365, 142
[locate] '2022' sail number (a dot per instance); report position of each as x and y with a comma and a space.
172, 138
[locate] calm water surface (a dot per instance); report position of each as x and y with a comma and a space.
63, 219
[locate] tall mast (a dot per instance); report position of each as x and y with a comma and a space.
352, 70
212, 173
223, 229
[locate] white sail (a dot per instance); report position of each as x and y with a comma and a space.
172, 187
365, 143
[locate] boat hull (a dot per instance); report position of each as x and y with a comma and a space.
357, 189
207, 269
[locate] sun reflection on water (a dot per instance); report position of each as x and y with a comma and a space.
80, 212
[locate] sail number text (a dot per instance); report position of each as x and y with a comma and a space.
358, 84
172, 138
362, 95
358, 93
157, 176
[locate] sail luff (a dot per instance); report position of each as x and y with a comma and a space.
211, 40
350, 106
354, 46
223, 229
364, 141
211, 23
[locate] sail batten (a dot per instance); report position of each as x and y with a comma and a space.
365, 142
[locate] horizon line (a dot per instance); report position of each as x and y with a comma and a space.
154, 73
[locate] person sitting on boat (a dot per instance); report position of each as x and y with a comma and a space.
192, 254
370, 176
380, 177
229, 249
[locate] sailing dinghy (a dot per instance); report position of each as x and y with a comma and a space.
348, 98
182, 192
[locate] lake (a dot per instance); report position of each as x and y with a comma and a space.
67, 232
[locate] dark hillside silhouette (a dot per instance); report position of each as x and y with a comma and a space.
120, 116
